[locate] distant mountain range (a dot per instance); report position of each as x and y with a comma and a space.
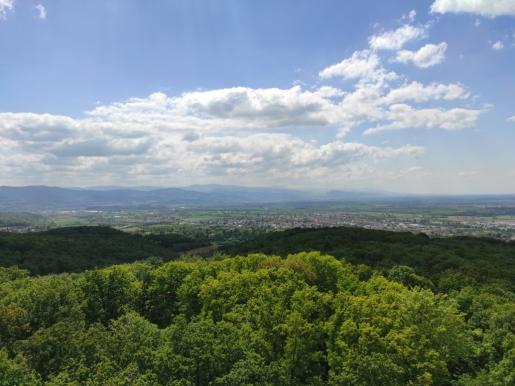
38, 198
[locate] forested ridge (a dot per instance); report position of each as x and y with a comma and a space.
75, 249
450, 262
370, 316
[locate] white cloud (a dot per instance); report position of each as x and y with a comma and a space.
402, 116
80, 149
376, 99
283, 153
498, 45
329, 92
5, 6
241, 134
417, 92
41, 11
342, 132
218, 135
212, 134
394, 40
364, 66
411, 15
193, 136
427, 56
511, 119
35, 128
237, 107
488, 8
369, 102
360, 64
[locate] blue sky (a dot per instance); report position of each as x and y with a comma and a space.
411, 96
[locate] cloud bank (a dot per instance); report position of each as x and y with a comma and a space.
248, 135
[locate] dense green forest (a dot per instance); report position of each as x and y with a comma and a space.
370, 316
75, 249
449, 263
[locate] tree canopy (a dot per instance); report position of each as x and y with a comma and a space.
304, 319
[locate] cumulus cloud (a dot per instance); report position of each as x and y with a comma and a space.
497, 46
36, 128
488, 8
402, 116
242, 134
234, 132
416, 91
394, 40
377, 98
100, 147
370, 102
410, 16
282, 154
69, 147
342, 132
361, 64
329, 92
364, 66
41, 11
237, 107
511, 119
427, 56
5, 6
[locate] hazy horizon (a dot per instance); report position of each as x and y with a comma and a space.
405, 97
316, 190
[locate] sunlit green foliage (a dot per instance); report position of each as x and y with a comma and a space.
308, 319
15, 372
